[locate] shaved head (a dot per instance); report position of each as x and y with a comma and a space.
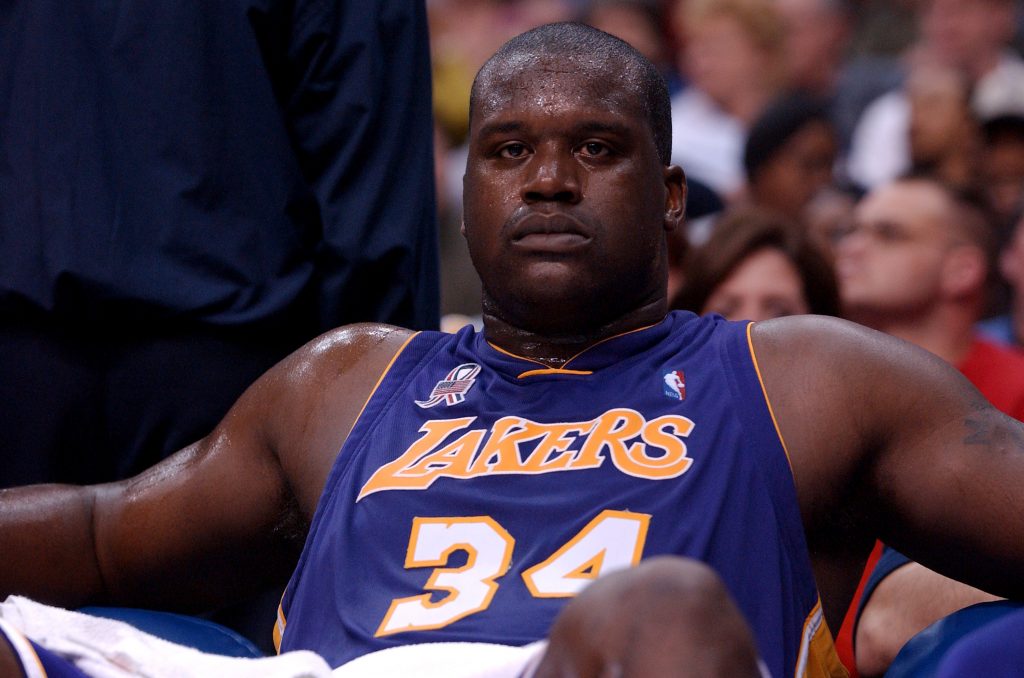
581, 48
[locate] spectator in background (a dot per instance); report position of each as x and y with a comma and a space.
1008, 328
916, 265
758, 265
641, 24
818, 33
733, 57
971, 37
822, 61
944, 137
789, 155
1002, 167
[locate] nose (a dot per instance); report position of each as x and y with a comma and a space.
553, 176
850, 246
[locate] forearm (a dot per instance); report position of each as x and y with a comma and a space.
47, 546
904, 603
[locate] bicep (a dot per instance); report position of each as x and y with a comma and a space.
205, 525
953, 491
888, 440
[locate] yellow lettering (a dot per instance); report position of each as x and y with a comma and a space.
637, 447
612, 430
390, 477
556, 441
453, 459
636, 462
500, 454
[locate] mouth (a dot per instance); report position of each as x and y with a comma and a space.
549, 233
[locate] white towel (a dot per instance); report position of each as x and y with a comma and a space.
106, 648
447, 660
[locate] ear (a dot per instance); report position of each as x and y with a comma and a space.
964, 271
462, 226
675, 198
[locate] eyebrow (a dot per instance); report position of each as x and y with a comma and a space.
607, 127
500, 128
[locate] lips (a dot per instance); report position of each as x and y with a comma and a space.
549, 233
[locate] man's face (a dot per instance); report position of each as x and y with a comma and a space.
960, 29
940, 115
566, 202
799, 170
1002, 168
720, 56
817, 35
891, 261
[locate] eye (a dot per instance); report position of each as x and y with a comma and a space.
595, 149
512, 150
889, 232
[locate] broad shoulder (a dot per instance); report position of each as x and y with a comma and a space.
314, 396
852, 360
841, 392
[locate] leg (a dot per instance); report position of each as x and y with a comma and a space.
668, 617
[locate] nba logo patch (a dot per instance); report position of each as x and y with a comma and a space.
453, 388
675, 385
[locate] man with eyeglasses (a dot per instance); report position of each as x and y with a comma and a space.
916, 264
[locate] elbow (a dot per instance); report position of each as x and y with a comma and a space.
878, 639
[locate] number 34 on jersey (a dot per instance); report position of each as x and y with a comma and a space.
613, 540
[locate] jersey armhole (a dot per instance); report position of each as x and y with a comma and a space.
764, 393
338, 467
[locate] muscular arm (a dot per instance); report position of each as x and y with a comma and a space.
220, 518
888, 440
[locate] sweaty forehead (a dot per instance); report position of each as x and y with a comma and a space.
551, 83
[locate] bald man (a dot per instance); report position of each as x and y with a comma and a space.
409, 488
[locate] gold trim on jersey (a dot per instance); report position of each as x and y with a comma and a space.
547, 369
767, 400
817, 657
384, 372
551, 370
280, 623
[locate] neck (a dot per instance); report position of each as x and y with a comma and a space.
555, 346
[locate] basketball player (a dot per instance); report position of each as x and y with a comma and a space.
484, 479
